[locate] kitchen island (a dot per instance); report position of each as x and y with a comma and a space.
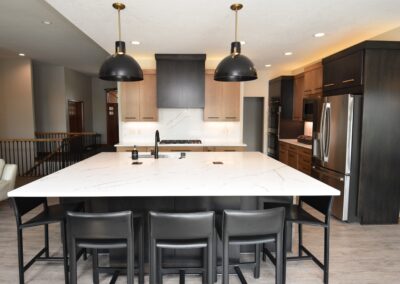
199, 181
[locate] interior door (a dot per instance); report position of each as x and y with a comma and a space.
75, 116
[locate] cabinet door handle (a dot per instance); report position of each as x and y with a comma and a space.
130, 117
148, 117
348, 81
230, 117
318, 88
213, 117
309, 90
329, 85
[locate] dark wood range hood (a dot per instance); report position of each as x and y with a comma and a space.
180, 80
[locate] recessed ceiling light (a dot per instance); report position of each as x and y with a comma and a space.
319, 34
288, 53
242, 42
135, 42
268, 65
21, 54
46, 22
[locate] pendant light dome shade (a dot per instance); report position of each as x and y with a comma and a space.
235, 67
120, 66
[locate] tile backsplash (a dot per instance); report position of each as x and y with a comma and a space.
181, 124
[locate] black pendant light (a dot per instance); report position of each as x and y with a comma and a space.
120, 66
235, 67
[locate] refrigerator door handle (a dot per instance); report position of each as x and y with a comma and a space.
327, 135
322, 132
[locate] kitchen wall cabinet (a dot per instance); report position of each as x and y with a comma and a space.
222, 99
139, 99
282, 88
313, 80
298, 97
343, 72
295, 156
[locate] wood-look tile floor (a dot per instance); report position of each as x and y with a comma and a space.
359, 254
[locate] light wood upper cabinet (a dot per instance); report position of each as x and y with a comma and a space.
298, 97
222, 99
139, 99
148, 98
213, 99
231, 101
313, 79
130, 101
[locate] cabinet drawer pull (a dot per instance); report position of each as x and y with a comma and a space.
130, 117
230, 117
148, 117
308, 90
329, 85
213, 117
348, 81
318, 88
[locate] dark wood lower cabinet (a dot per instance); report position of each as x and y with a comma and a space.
295, 156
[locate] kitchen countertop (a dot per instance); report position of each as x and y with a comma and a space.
295, 142
151, 144
113, 175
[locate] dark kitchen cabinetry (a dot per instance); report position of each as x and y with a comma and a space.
282, 87
343, 72
281, 123
371, 70
180, 80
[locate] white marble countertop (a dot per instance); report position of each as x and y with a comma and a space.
207, 144
112, 174
297, 143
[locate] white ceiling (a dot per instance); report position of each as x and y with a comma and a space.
22, 30
207, 26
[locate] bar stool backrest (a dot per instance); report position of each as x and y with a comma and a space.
253, 222
181, 226
23, 205
114, 225
323, 204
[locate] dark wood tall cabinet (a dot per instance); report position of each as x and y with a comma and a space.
372, 68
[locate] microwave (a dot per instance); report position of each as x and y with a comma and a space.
310, 107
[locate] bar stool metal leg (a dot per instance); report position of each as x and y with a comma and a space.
225, 261
300, 228
141, 250
153, 261
46, 240
20, 257
95, 259
326, 255
257, 261
65, 251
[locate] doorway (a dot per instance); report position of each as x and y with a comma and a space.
75, 116
112, 117
253, 123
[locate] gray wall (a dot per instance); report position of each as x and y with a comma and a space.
53, 87
16, 102
78, 87
99, 106
49, 96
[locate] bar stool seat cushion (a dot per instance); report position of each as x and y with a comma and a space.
54, 214
181, 244
300, 216
101, 244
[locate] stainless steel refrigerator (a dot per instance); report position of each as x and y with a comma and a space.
336, 147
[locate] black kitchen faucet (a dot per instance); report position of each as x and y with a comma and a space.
157, 140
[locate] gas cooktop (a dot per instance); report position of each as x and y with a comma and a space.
180, 141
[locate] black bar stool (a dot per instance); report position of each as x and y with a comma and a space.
105, 231
297, 214
49, 215
181, 231
255, 227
